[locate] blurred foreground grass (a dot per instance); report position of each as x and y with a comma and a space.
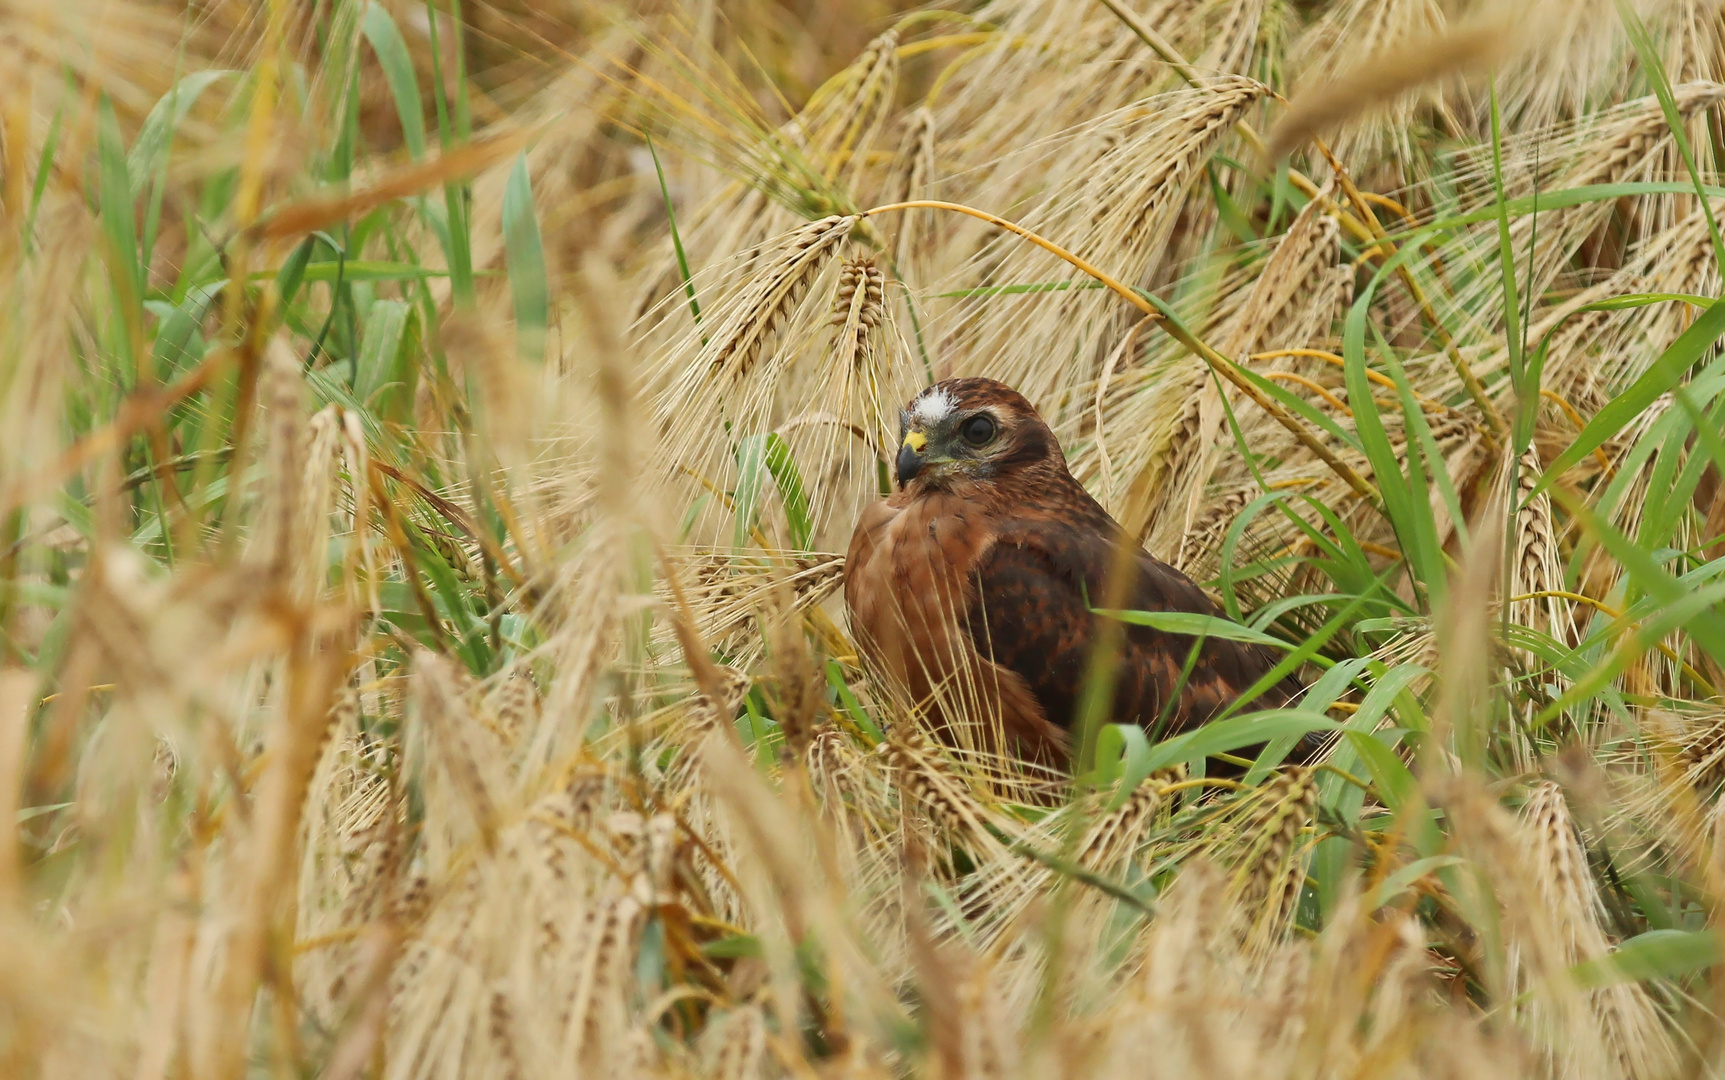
426, 432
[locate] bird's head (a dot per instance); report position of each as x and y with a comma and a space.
975, 429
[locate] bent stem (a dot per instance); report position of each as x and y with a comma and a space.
1217, 362
1363, 224
1013, 227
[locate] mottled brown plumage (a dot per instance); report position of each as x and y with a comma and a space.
971, 586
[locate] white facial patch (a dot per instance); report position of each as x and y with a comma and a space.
932, 407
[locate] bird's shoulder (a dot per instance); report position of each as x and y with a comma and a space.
1036, 595
1072, 541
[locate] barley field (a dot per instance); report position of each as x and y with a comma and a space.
430, 434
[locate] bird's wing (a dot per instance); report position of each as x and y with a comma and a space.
1030, 612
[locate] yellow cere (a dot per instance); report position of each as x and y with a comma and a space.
916, 440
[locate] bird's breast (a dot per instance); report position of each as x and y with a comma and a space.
938, 536
908, 578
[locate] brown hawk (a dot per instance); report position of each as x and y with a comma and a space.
972, 585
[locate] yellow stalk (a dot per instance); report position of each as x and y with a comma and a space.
1218, 363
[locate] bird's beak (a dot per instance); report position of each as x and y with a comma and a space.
910, 459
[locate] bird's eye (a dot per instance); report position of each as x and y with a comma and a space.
978, 430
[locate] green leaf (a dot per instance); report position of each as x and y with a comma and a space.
1562, 198
1123, 756
1654, 68
1192, 624
650, 956
380, 361
292, 272
44, 169
452, 601
1657, 954
1318, 697
1700, 613
760, 456
1639, 300
1398, 882
1506, 252
177, 340
760, 732
1306, 651
734, 947
392, 55
119, 220
746, 498
676, 237
1419, 431
1229, 211
849, 703
524, 254
327, 270
1390, 687
792, 494
1404, 498
151, 147
1395, 784
1664, 373
1224, 735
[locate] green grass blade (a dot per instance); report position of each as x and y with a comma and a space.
292, 272
758, 457
1705, 624
848, 702
119, 215
1394, 783
524, 254
354, 270
1406, 508
379, 360
120, 231
1638, 300
1122, 758
793, 496
1663, 374
676, 236
1399, 882
1221, 736
397, 64
751, 456
178, 343
1654, 68
1191, 624
1559, 199
1506, 252
150, 149
1657, 954
463, 108
44, 169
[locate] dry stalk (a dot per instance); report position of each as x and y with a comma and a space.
316, 663
1217, 362
1471, 46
